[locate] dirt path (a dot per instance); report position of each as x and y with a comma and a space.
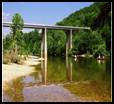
50, 93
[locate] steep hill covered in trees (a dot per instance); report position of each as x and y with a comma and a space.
96, 16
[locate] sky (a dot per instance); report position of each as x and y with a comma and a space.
40, 12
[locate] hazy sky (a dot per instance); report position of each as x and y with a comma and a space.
40, 12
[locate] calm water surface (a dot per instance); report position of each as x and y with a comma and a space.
62, 71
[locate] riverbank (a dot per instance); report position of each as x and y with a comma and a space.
12, 71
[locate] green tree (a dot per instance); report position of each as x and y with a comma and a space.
16, 28
32, 42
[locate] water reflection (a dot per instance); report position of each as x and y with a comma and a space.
69, 69
101, 61
59, 71
44, 71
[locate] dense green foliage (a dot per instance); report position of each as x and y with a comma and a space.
96, 41
98, 17
56, 42
31, 43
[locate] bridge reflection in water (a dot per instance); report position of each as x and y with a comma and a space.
44, 70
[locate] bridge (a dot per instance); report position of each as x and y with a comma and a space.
68, 30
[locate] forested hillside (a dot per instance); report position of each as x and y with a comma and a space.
96, 41
98, 17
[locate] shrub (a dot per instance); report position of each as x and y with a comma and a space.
11, 57
101, 50
6, 58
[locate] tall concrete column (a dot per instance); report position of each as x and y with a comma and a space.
45, 43
42, 43
68, 41
44, 55
67, 45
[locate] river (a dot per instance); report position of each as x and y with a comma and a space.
82, 76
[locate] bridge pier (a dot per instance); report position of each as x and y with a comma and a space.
68, 41
44, 44
44, 54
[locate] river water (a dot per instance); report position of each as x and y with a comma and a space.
63, 71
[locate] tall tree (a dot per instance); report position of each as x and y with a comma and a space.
16, 28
